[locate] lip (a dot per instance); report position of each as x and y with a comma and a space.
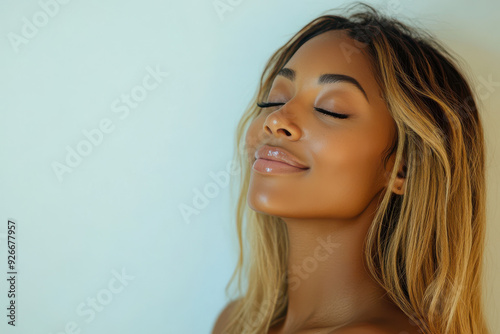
276, 160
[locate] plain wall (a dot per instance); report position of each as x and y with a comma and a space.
105, 246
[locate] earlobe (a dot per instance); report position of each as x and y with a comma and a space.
400, 182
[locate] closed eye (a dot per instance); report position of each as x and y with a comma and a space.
323, 111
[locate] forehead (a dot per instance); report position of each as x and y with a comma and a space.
334, 52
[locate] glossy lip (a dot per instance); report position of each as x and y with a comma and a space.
279, 154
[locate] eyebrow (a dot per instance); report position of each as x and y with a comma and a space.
325, 79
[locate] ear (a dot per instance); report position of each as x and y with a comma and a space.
400, 182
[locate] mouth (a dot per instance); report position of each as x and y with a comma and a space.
276, 160
275, 167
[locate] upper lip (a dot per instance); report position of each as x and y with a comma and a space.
278, 154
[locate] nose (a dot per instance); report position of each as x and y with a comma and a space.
280, 123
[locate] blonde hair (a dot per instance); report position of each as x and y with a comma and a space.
424, 247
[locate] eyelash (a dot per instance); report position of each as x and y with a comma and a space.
323, 111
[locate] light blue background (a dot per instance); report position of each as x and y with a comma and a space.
119, 209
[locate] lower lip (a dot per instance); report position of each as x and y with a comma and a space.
275, 167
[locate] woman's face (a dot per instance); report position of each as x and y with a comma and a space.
343, 155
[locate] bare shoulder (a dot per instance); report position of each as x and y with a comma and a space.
223, 317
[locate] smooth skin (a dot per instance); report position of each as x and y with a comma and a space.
334, 201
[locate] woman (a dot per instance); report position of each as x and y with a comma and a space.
364, 175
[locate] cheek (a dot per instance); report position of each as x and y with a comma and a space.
349, 159
254, 137
346, 173
251, 140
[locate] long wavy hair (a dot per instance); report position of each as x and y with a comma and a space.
425, 247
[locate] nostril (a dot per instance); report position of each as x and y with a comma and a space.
285, 131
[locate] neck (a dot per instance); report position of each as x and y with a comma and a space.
328, 285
